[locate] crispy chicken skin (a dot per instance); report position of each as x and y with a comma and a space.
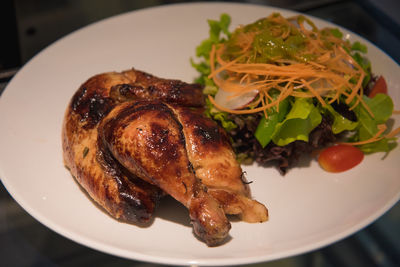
146, 138
214, 162
129, 138
119, 192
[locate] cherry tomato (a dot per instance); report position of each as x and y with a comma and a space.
339, 158
379, 87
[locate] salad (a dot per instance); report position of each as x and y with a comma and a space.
283, 88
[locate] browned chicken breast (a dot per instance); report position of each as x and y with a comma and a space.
129, 138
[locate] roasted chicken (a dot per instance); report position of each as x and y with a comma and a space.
129, 138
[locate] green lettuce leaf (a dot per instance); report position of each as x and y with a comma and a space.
340, 123
336, 32
266, 126
299, 122
216, 28
357, 46
382, 107
219, 31
220, 116
383, 145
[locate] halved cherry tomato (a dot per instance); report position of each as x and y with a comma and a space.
339, 158
380, 86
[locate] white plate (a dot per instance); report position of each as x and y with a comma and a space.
309, 208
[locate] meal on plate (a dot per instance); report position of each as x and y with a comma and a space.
270, 91
283, 88
130, 138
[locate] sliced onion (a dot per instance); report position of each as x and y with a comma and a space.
322, 86
225, 99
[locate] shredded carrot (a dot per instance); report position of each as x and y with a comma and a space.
393, 133
378, 136
212, 59
313, 91
333, 68
328, 75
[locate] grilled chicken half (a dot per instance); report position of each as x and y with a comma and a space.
122, 194
129, 138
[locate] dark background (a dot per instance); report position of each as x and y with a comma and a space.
28, 26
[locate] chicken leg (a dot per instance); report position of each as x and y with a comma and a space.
146, 138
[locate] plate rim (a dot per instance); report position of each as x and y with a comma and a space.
144, 257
